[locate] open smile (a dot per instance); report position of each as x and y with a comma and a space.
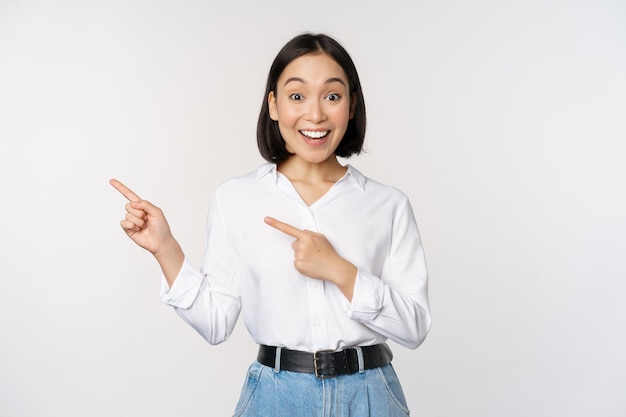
315, 134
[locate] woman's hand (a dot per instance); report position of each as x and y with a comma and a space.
146, 225
315, 257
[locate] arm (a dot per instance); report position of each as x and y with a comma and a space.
315, 257
208, 300
395, 304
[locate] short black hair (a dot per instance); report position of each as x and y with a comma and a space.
270, 142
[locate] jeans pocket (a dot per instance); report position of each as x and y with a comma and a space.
389, 378
249, 386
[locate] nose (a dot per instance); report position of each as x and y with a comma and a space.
315, 111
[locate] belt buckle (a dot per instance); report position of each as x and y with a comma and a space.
316, 360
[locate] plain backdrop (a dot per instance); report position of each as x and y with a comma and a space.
504, 122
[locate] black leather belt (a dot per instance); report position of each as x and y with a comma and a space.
326, 364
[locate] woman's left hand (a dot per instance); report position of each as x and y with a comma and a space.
315, 257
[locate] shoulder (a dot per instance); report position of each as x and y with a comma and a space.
372, 187
247, 179
245, 185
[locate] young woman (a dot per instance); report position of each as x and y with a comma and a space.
326, 263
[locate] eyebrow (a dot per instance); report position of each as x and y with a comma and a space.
328, 81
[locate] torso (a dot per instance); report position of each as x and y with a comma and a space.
311, 192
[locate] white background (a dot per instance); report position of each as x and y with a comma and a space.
504, 122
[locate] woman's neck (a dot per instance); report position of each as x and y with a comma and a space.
297, 169
312, 180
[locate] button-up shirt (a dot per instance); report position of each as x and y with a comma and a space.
248, 266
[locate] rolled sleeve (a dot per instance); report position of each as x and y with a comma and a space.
185, 289
367, 298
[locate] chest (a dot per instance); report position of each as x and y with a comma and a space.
357, 227
311, 192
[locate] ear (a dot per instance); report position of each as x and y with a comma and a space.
352, 105
271, 104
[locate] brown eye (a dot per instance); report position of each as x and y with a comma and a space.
333, 97
296, 97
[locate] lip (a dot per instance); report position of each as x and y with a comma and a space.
314, 134
313, 141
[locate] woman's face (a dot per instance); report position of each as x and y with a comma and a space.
312, 105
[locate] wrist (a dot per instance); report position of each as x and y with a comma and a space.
169, 249
170, 257
345, 278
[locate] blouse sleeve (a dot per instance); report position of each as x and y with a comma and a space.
208, 300
395, 304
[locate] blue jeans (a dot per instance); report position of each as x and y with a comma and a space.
373, 393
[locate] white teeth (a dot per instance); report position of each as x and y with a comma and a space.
314, 134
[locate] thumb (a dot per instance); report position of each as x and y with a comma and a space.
146, 206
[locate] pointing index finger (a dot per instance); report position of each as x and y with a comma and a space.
125, 191
284, 227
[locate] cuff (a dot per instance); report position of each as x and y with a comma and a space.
185, 289
367, 299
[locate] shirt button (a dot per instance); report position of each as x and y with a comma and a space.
314, 284
318, 323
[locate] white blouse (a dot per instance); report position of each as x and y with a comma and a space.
248, 266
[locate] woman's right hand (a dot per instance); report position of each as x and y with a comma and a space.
144, 223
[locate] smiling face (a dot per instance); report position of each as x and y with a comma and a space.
312, 105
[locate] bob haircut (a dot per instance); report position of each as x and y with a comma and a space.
270, 142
